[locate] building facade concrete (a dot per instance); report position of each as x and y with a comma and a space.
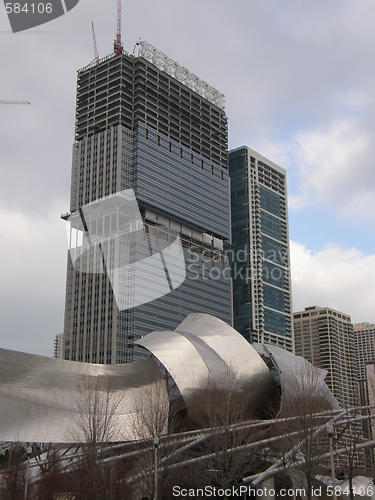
364, 334
58, 346
325, 337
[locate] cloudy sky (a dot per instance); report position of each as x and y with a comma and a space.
299, 82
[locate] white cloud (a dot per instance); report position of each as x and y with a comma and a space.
298, 81
330, 159
32, 280
330, 166
343, 279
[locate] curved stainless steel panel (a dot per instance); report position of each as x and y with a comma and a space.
238, 354
205, 350
181, 359
39, 396
292, 369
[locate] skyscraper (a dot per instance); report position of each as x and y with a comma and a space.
145, 125
325, 337
262, 304
57, 345
364, 334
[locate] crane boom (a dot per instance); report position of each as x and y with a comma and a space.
14, 102
96, 53
117, 44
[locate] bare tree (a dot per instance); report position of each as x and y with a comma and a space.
298, 452
12, 479
51, 481
96, 418
152, 419
349, 437
223, 410
96, 412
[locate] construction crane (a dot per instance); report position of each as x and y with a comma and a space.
117, 43
14, 102
96, 53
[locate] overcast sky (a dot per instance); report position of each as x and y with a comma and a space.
299, 81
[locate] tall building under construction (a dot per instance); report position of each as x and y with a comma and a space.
145, 125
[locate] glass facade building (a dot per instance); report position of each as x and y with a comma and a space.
262, 304
139, 128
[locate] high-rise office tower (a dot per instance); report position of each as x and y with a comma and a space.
325, 338
147, 127
58, 346
364, 334
262, 304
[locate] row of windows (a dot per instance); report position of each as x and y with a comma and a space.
322, 312
181, 154
200, 198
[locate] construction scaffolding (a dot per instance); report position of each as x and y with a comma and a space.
183, 75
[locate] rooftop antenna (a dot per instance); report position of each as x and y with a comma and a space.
117, 43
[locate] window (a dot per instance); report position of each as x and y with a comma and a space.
212, 170
191, 158
158, 140
202, 164
170, 146
146, 133
180, 152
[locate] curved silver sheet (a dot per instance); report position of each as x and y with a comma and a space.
228, 344
180, 358
39, 396
291, 369
204, 350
